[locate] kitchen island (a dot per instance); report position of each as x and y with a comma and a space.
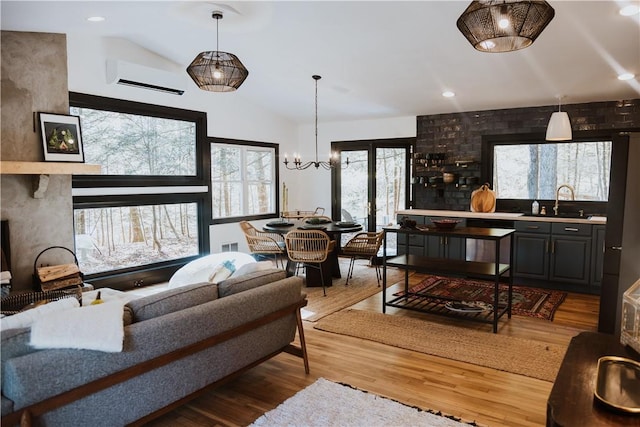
555, 252
449, 267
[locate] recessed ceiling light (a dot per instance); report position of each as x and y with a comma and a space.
630, 10
448, 94
625, 76
95, 19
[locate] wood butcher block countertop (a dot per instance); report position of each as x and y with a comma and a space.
503, 215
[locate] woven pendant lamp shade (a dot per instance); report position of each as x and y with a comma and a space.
203, 67
504, 25
217, 71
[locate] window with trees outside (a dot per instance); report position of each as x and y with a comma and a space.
534, 171
243, 180
148, 211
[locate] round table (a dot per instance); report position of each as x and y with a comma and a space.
333, 229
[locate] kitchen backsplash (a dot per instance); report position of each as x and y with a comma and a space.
459, 136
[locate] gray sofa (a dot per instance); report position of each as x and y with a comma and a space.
179, 343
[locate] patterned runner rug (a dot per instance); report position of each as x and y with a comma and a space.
530, 302
325, 403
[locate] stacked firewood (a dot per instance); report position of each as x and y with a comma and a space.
59, 277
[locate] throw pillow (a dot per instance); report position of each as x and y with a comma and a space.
222, 271
199, 270
252, 267
94, 327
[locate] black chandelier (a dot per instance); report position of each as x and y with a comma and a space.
217, 71
333, 162
504, 25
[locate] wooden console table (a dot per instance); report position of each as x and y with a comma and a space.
571, 401
450, 267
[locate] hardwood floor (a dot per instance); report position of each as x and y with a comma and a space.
475, 393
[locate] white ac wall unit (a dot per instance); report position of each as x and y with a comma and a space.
141, 76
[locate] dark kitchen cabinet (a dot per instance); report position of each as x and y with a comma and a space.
416, 241
570, 259
431, 246
570, 253
555, 252
531, 256
445, 246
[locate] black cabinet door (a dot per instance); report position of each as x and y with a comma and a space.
570, 259
531, 256
455, 248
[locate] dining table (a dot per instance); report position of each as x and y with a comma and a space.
334, 229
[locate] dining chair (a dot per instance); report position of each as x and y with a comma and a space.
309, 247
264, 244
363, 246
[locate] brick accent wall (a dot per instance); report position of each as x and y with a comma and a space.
459, 136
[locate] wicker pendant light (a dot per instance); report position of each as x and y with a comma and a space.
504, 25
217, 71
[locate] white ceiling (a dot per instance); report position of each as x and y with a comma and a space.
376, 58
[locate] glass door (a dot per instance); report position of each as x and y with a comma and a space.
375, 183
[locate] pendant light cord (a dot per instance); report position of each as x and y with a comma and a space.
316, 116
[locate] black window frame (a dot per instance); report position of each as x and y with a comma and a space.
132, 277
240, 142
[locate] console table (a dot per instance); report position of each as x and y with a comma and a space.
571, 401
450, 267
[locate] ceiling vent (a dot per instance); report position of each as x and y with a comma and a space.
136, 75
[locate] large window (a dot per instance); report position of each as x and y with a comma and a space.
147, 213
133, 236
243, 179
535, 171
135, 144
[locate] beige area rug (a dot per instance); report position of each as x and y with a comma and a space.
362, 285
511, 354
328, 404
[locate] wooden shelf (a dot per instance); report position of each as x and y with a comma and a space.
48, 168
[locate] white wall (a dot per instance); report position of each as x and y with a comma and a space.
229, 116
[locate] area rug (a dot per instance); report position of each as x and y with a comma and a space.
328, 404
510, 354
530, 302
362, 285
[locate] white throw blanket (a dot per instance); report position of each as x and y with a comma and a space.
94, 327
24, 319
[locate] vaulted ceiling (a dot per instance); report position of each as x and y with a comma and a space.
376, 58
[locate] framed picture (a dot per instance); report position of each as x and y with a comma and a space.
61, 138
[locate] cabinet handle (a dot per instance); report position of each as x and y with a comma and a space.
546, 245
553, 247
571, 229
533, 227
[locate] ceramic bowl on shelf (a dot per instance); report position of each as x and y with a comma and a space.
448, 178
445, 224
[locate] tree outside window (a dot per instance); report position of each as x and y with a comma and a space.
243, 180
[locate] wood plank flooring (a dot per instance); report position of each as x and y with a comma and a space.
475, 393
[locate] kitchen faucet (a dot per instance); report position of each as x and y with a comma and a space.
573, 196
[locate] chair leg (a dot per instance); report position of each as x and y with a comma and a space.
324, 291
350, 270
